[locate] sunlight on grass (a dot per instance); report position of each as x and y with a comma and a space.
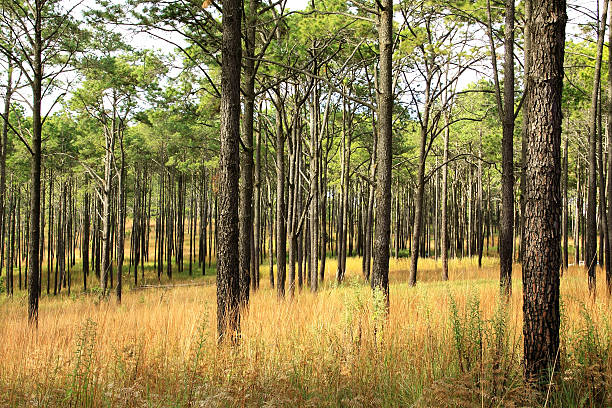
326, 349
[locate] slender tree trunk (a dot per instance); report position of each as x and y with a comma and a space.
418, 201
106, 210
479, 217
591, 248
35, 168
314, 191
603, 219
507, 214
281, 222
564, 216
257, 215
246, 157
367, 253
343, 223
3, 151
121, 218
609, 164
85, 241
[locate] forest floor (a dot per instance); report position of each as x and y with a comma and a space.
443, 344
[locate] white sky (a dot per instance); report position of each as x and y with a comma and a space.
297, 4
145, 41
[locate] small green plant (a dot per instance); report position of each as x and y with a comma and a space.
353, 315
586, 373
487, 356
80, 390
379, 314
195, 356
467, 330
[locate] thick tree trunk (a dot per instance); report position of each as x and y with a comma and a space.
228, 271
541, 316
380, 269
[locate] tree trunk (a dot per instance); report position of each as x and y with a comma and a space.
281, 222
609, 186
257, 215
565, 209
3, 151
314, 192
367, 252
380, 269
418, 200
246, 157
541, 316
106, 209
228, 271
507, 213
121, 221
591, 244
444, 231
85, 241
35, 168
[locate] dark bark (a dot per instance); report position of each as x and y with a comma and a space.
228, 273
257, 241
314, 192
281, 222
3, 151
36, 147
420, 192
506, 231
564, 215
121, 223
380, 269
609, 164
591, 227
85, 241
246, 156
543, 205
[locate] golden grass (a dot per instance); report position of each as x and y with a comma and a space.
332, 348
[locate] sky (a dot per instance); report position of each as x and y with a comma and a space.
297, 4
144, 41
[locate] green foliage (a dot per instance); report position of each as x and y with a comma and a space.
487, 356
584, 363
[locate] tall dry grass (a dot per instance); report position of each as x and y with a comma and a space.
442, 344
